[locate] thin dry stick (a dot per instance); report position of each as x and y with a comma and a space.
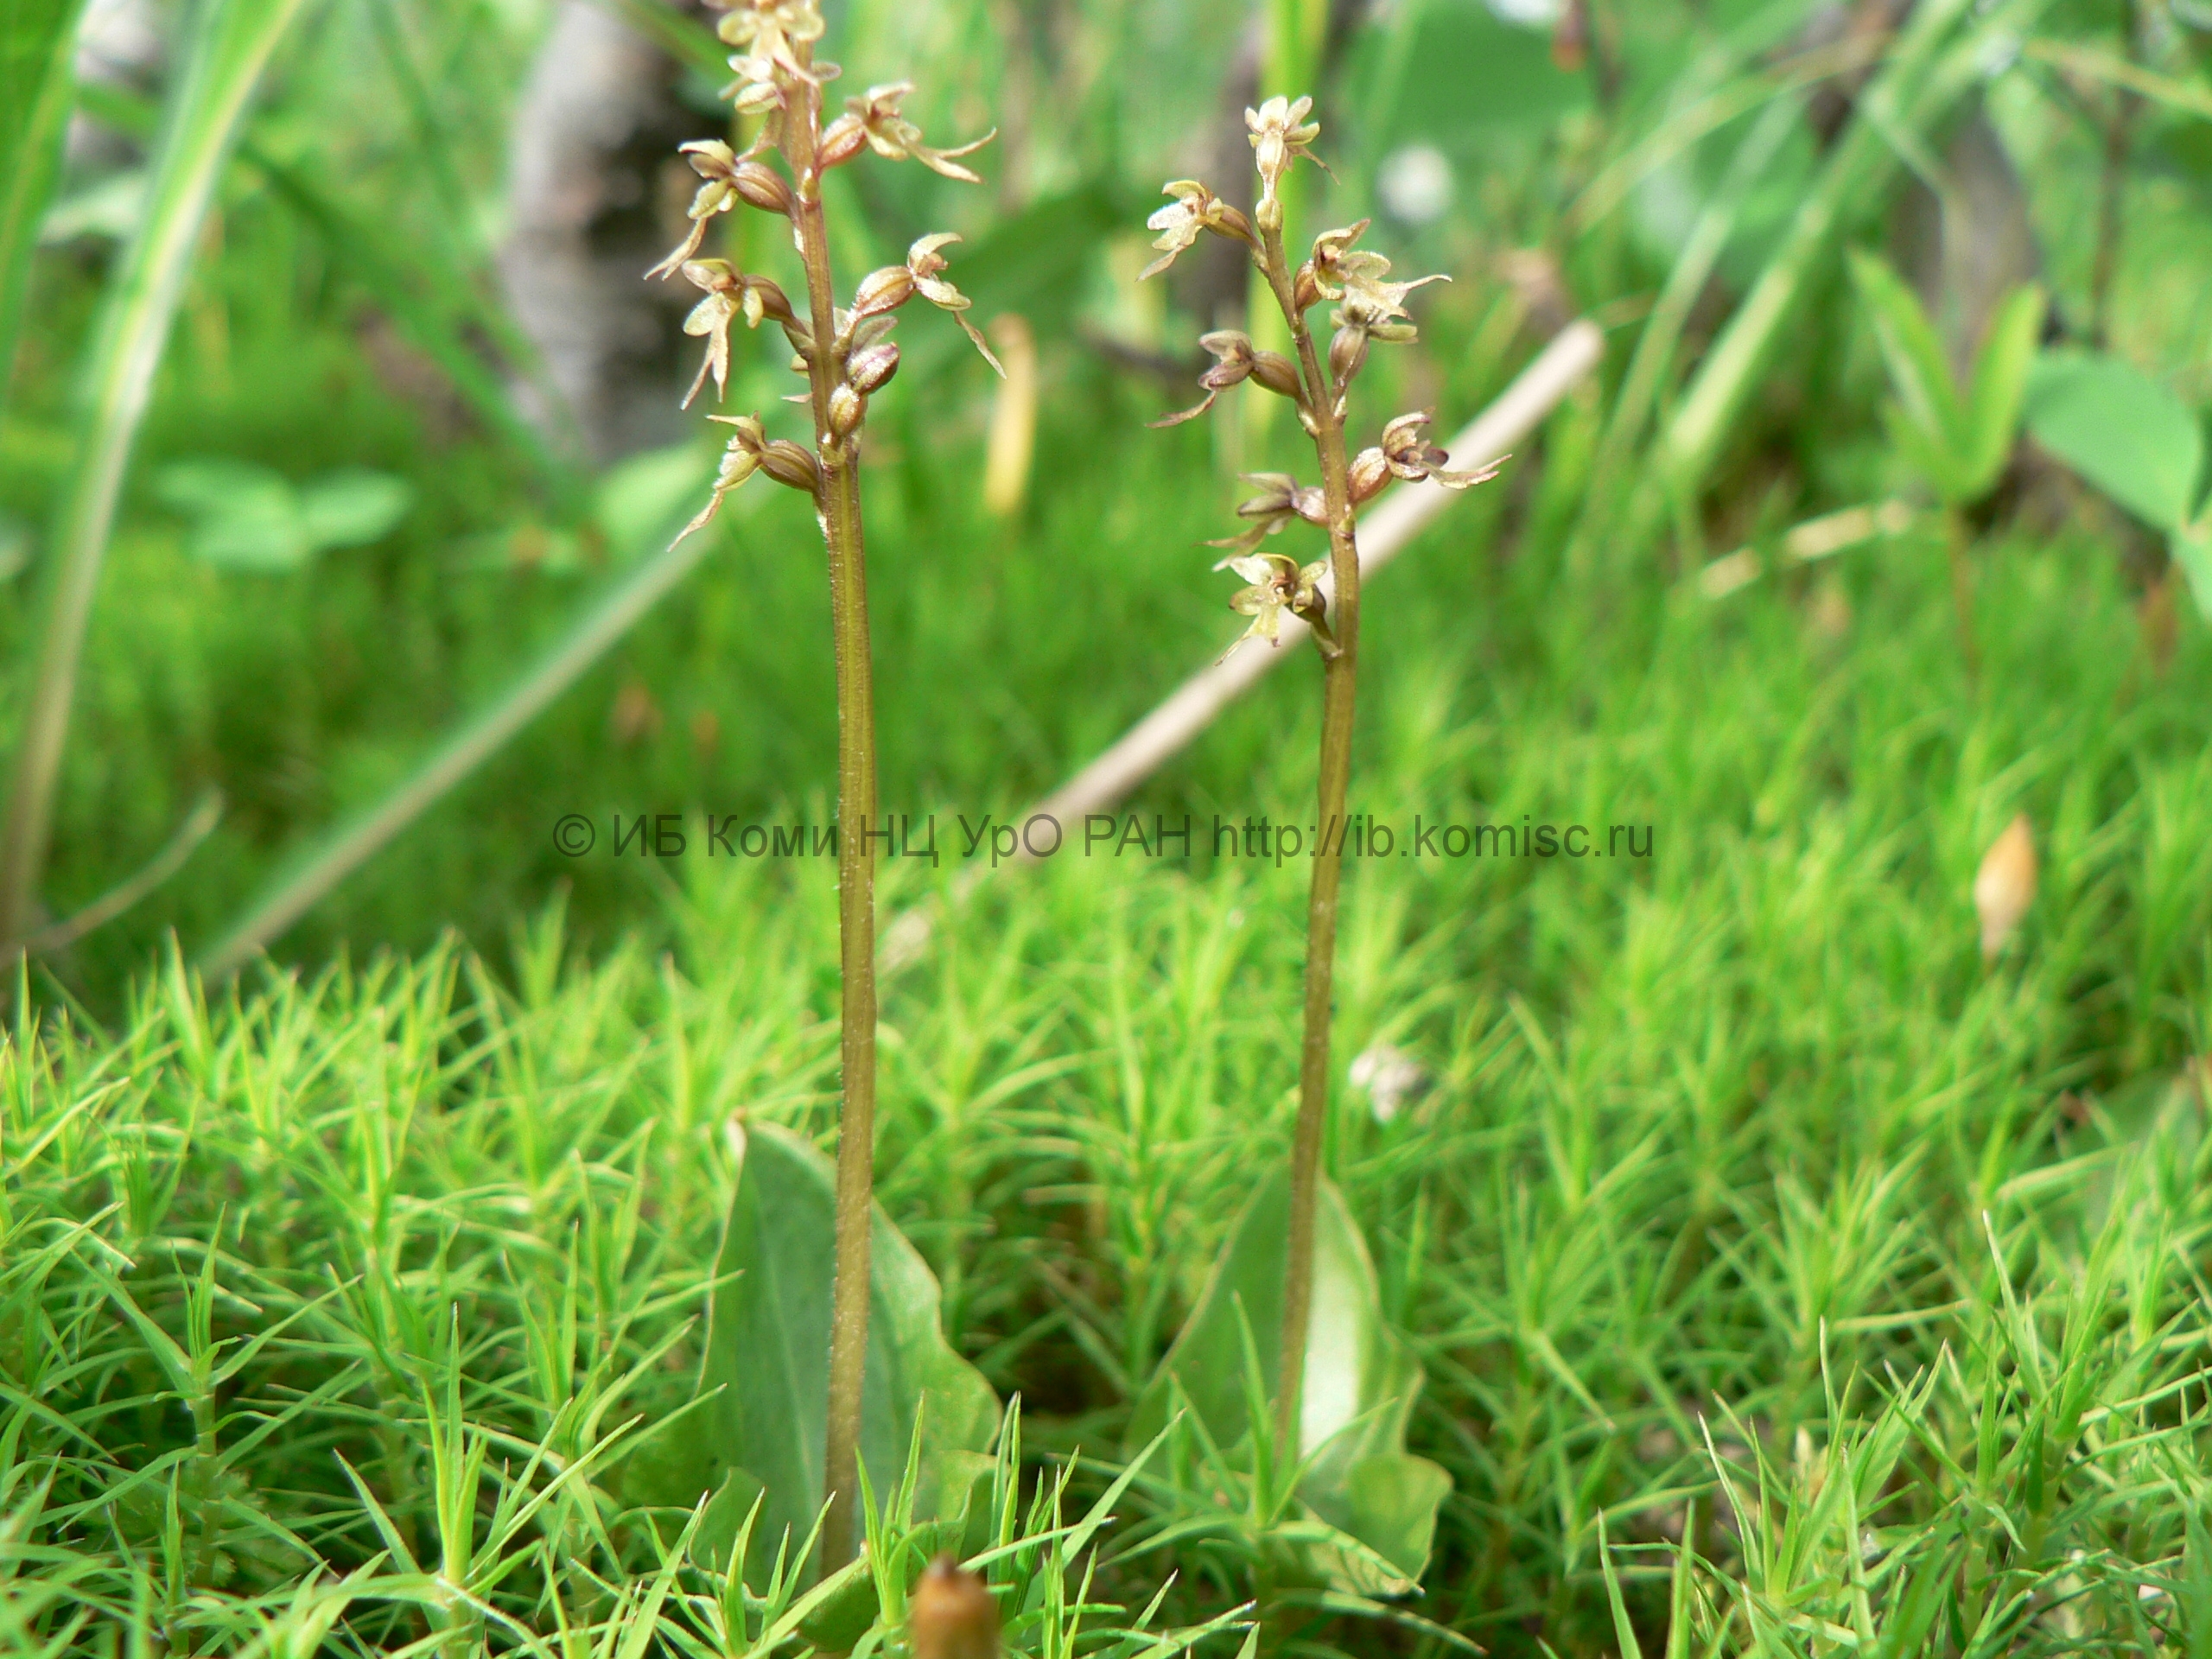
198, 825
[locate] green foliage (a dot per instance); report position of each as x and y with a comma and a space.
2133, 438
2125, 433
252, 518
228, 45
1346, 1507
1957, 438
759, 1421
37, 41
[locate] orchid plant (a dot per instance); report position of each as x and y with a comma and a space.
1368, 309
845, 353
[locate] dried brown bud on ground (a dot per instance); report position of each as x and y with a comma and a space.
951, 1615
2006, 885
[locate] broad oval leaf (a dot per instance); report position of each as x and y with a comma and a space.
2124, 432
245, 517
1359, 1387
354, 507
2192, 547
768, 1350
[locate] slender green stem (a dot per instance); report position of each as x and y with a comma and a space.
1339, 685
1956, 539
839, 509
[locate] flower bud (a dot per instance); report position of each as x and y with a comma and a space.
758, 97
841, 140
883, 290
1347, 351
951, 1615
774, 303
872, 367
1277, 372
787, 463
1227, 221
847, 408
762, 188
1370, 471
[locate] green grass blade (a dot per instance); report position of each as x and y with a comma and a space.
230, 47
1919, 372
37, 85
1999, 388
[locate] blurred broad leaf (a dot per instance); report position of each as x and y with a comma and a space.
1375, 1503
2192, 547
2122, 431
638, 496
767, 1353
15, 546
1959, 441
247, 517
110, 208
37, 85
352, 508
1456, 76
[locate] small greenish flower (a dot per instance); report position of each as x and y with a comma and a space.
1240, 361
879, 121
1410, 455
1277, 583
766, 34
1280, 499
741, 459
730, 294
1370, 303
1280, 134
926, 267
728, 179
1194, 209
750, 450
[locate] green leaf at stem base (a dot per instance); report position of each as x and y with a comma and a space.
761, 1424
1369, 1508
